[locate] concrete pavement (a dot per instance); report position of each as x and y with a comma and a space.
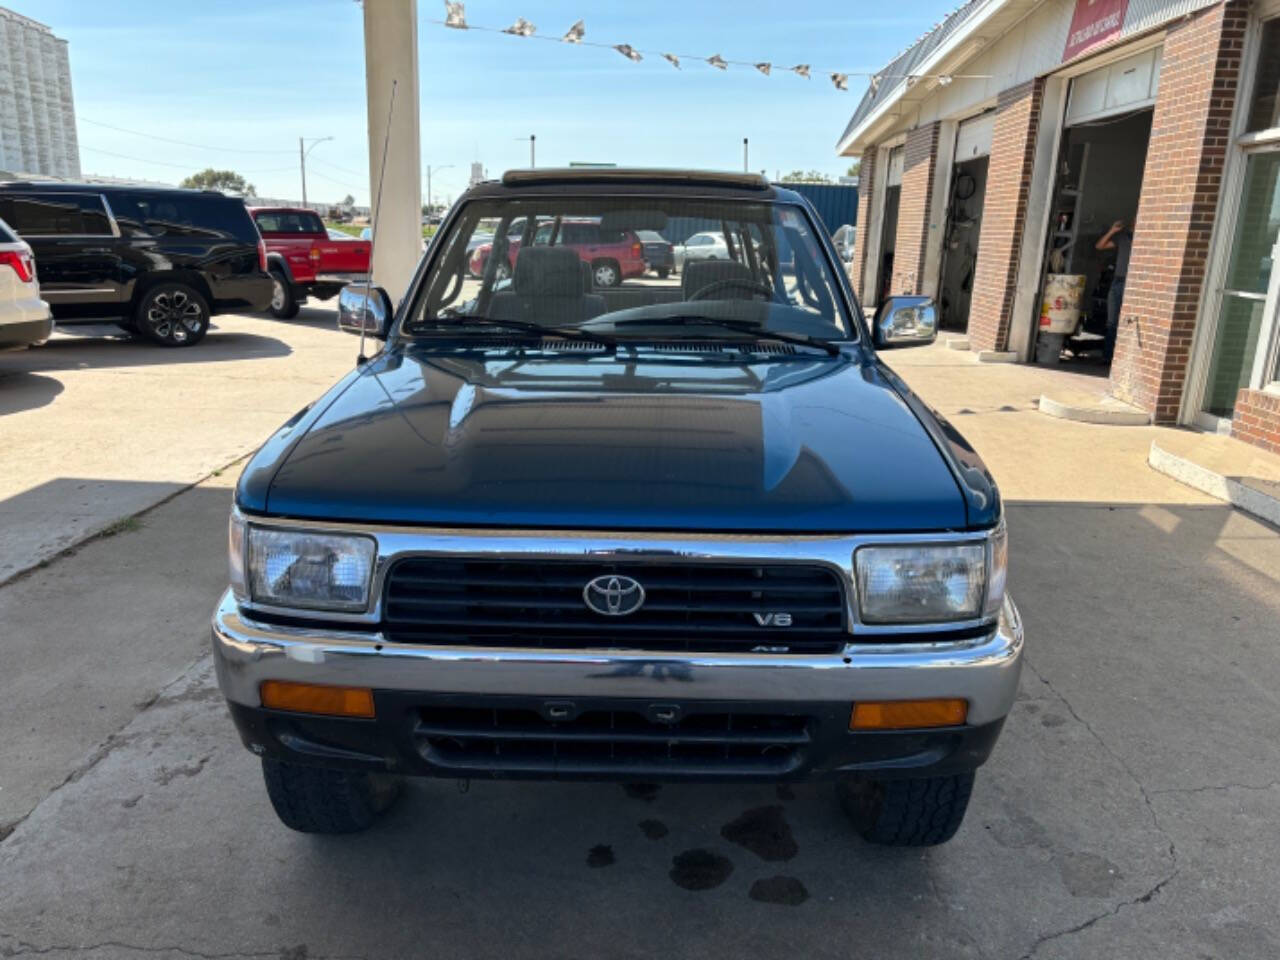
96, 426
1128, 811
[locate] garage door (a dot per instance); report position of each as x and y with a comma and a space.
897, 156
973, 139
1119, 87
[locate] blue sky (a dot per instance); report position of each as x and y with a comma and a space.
250, 79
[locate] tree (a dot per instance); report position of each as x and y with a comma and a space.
228, 181
348, 201
806, 176
855, 169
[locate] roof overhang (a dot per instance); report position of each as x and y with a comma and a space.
986, 24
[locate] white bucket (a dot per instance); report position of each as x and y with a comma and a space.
1060, 310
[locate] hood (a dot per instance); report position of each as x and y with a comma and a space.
665, 442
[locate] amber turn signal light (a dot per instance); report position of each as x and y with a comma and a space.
908, 714
317, 698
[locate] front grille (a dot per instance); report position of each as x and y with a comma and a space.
688, 606
611, 740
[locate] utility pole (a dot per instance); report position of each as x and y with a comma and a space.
436, 168
745, 168
302, 162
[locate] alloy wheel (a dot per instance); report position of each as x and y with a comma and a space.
174, 316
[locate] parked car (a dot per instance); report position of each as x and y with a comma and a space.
303, 260
612, 255
745, 552
159, 262
844, 239
700, 246
25, 319
659, 252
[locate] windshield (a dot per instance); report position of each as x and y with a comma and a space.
617, 265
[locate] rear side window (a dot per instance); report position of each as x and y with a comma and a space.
284, 221
182, 215
55, 214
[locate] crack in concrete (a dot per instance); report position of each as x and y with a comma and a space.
1146, 799
299, 952
1213, 788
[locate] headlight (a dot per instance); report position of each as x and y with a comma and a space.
932, 583
294, 568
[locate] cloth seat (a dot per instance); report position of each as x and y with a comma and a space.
700, 274
548, 287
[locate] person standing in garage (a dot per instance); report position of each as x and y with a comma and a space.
1120, 239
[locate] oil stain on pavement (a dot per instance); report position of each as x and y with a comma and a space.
764, 831
699, 869
787, 891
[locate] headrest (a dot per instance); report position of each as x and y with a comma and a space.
548, 272
699, 274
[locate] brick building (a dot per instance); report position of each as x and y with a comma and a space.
1001, 148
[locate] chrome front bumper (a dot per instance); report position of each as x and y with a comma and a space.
983, 670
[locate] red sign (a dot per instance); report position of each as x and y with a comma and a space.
1094, 22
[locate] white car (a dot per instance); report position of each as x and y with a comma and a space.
25, 319
701, 246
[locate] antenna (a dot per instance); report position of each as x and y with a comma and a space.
377, 215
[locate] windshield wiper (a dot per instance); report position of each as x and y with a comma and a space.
740, 326
525, 326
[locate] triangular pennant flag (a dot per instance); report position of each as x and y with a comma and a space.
521, 28
628, 51
944, 79
717, 61
575, 33
672, 59
764, 67
841, 80
911, 81
801, 68
455, 15
875, 84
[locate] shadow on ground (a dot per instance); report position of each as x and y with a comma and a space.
21, 390
98, 346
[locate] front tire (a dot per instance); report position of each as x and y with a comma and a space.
664, 272
906, 813
172, 315
284, 303
323, 800
605, 273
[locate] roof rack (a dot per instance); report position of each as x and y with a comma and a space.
525, 178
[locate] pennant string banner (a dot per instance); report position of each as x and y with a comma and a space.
456, 18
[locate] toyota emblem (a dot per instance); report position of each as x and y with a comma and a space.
613, 596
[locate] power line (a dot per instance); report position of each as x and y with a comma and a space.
176, 166
184, 143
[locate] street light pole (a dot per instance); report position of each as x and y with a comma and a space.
745, 168
302, 162
533, 140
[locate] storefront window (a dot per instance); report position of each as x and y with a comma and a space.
1264, 111
1244, 297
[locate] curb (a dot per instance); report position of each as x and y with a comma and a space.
1239, 493
957, 343
995, 356
1109, 416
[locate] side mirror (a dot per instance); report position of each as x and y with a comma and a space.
906, 322
363, 307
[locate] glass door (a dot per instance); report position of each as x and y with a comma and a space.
1247, 301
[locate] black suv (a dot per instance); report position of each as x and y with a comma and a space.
158, 262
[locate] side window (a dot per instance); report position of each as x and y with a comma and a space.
543, 235
52, 214
268, 222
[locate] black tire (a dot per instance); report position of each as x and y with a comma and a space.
322, 800
284, 301
172, 315
906, 813
664, 272
605, 274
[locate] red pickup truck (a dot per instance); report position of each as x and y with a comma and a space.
614, 255
303, 260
